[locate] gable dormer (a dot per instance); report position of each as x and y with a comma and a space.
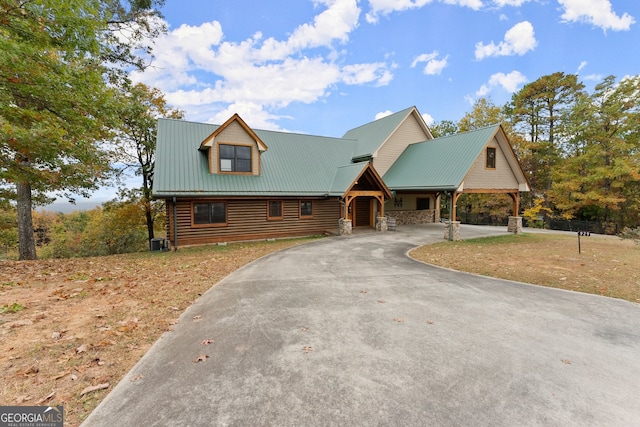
234, 148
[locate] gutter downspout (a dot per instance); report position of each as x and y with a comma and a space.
175, 224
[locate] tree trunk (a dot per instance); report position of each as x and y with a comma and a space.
149, 217
27, 243
146, 197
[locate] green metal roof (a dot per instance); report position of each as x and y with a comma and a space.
371, 136
306, 165
438, 164
345, 176
294, 164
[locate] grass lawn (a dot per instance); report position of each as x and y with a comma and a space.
606, 266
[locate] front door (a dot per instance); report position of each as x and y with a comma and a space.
362, 214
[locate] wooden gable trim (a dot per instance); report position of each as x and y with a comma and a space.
386, 193
208, 141
507, 150
512, 158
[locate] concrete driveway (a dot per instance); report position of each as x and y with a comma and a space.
348, 331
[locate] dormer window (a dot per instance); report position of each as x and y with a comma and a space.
235, 158
233, 148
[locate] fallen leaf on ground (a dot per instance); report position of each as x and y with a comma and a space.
44, 399
94, 388
201, 358
60, 375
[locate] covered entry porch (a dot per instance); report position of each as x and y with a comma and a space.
362, 205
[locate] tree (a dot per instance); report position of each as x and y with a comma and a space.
443, 128
137, 138
601, 172
483, 113
56, 104
539, 110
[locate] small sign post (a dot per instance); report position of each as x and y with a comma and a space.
582, 233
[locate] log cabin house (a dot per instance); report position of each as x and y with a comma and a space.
230, 182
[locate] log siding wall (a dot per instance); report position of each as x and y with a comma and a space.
247, 220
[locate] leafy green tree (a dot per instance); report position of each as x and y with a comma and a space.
601, 172
483, 113
8, 227
540, 111
137, 139
116, 227
56, 104
443, 128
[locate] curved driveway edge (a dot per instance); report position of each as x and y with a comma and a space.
350, 331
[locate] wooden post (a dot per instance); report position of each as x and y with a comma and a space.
516, 202
454, 202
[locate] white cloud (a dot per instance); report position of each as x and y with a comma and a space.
588, 77
508, 82
598, 13
514, 3
434, 66
208, 77
582, 65
252, 113
386, 7
518, 40
366, 73
335, 23
592, 77
428, 119
472, 4
382, 114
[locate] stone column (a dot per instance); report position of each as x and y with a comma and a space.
515, 225
344, 226
455, 230
381, 223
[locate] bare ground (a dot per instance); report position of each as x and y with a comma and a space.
70, 329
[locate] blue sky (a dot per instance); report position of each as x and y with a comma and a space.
325, 66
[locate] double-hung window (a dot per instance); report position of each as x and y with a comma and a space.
235, 158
